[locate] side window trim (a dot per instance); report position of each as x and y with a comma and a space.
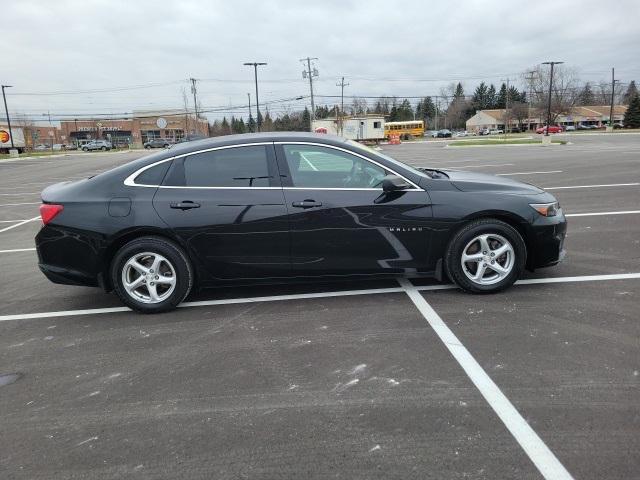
287, 182
130, 180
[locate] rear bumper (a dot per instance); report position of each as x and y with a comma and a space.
547, 246
65, 276
68, 257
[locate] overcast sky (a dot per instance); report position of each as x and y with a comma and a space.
380, 47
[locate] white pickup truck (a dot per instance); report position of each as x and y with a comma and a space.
5, 139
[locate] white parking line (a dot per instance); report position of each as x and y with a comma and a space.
543, 458
20, 193
480, 166
18, 250
303, 296
19, 224
528, 173
594, 186
594, 214
12, 221
16, 204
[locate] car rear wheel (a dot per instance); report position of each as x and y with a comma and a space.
485, 256
151, 275
103, 149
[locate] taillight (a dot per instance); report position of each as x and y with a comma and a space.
48, 211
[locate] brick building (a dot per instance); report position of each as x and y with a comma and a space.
145, 125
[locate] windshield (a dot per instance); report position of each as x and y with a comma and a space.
370, 151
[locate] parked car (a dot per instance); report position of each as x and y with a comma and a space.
484, 131
158, 143
444, 133
97, 145
463, 133
496, 131
586, 126
59, 146
215, 212
41, 147
552, 129
570, 128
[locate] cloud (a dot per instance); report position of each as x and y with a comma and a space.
381, 48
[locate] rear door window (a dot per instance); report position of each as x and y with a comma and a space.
240, 167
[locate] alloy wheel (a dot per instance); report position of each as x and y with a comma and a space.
487, 259
148, 277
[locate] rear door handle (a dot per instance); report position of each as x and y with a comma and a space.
185, 205
307, 204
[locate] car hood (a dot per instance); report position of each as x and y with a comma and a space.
480, 182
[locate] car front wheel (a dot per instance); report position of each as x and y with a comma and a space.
151, 275
485, 256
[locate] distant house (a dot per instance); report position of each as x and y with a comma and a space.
589, 115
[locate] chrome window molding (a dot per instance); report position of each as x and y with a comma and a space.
130, 180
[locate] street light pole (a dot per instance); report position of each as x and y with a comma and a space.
255, 71
6, 111
550, 90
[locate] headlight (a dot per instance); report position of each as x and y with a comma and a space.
546, 209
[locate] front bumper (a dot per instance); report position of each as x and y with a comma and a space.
547, 241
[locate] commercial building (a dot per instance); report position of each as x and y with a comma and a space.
143, 126
597, 115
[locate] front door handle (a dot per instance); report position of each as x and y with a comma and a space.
185, 205
307, 204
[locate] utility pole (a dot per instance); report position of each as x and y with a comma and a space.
249, 119
546, 134
530, 76
6, 111
255, 72
194, 90
310, 74
437, 105
613, 90
342, 85
506, 109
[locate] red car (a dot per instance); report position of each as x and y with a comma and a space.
552, 129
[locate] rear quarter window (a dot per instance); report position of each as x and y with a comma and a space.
153, 175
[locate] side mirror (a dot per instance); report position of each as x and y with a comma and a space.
393, 183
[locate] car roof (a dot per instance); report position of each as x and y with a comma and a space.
256, 138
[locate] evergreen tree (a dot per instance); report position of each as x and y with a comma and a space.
491, 97
632, 90
632, 115
393, 114
459, 92
251, 124
480, 98
501, 99
267, 125
514, 95
306, 120
586, 96
404, 111
225, 129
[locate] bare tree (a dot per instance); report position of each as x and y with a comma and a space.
519, 111
359, 106
564, 96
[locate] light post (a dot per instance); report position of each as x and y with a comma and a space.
550, 90
255, 71
6, 111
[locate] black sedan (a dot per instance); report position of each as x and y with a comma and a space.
285, 206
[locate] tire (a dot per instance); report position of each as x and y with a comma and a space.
499, 236
173, 263
148, 147
104, 149
85, 149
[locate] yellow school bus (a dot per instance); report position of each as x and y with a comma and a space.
414, 128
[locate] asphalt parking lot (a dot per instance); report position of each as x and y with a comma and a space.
370, 379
